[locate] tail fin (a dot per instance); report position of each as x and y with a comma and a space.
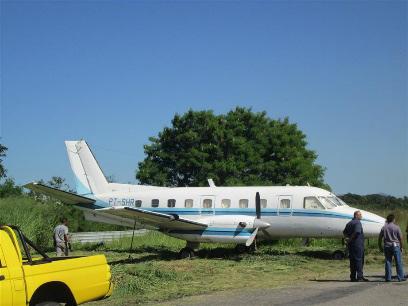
89, 177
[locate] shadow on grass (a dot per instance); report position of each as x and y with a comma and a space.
317, 254
346, 280
329, 280
163, 253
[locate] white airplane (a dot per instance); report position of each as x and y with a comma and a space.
207, 214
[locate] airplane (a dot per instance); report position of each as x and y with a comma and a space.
207, 214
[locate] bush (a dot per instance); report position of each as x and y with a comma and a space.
37, 219
9, 188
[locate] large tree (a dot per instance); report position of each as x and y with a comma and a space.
3, 150
239, 148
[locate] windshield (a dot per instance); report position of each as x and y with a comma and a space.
326, 202
341, 201
331, 201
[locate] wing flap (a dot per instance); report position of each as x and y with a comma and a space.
160, 220
63, 196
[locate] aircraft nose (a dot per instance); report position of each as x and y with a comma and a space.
372, 217
372, 224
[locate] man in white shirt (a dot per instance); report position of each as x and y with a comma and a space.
61, 238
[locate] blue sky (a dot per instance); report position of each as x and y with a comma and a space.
116, 72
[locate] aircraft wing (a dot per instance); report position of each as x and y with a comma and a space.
63, 196
156, 219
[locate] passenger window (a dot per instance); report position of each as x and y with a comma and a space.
284, 203
188, 203
264, 203
243, 203
225, 203
155, 203
171, 203
312, 203
207, 203
138, 203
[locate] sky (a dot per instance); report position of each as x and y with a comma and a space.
116, 72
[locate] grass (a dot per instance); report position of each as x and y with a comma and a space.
153, 273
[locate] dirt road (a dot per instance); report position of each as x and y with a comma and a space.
315, 292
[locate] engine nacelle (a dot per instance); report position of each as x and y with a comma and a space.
233, 229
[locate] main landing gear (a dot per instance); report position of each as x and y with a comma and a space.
339, 255
189, 251
242, 248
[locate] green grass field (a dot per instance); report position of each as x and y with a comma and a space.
153, 273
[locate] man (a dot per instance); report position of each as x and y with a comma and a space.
392, 237
354, 235
61, 238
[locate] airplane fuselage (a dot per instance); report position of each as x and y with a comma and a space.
291, 211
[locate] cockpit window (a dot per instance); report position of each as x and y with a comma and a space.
342, 203
326, 202
335, 201
312, 203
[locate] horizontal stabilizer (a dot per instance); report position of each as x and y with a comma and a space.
162, 221
63, 196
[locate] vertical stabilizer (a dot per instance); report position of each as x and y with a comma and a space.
89, 177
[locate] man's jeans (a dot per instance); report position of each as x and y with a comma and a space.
395, 252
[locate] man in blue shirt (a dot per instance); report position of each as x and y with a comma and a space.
354, 234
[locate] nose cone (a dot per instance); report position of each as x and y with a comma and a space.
372, 223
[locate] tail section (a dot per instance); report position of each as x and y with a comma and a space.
89, 177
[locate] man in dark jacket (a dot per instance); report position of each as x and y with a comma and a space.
354, 234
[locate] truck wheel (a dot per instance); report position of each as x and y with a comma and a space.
49, 303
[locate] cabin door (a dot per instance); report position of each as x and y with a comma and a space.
207, 205
285, 205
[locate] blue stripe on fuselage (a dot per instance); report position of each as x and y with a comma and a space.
247, 212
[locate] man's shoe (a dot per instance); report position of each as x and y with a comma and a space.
362, 279
403, 280
353, 280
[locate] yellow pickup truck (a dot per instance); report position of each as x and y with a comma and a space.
32, 278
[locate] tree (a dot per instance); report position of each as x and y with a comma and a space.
9, 189
59, 183
3, 150
239, 148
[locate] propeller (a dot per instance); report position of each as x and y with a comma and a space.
257, 222
258, 205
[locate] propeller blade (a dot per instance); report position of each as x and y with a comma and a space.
251, 238
258, 205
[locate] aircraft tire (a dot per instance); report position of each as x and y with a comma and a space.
241, 249
186, 253
338, 255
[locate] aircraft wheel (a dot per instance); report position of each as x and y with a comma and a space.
186, 253
338, 255
241, 248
